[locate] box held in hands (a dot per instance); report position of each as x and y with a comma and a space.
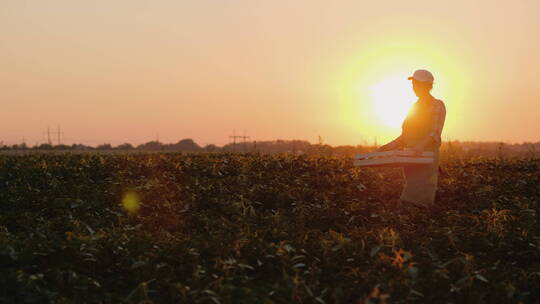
395, 158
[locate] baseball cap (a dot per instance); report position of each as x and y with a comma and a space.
422, 75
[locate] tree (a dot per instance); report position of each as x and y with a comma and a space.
125, 146
211, 148
187, 145
45, 147
104, 147
151, 145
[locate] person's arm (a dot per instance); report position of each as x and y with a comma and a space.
393, 145
436, 129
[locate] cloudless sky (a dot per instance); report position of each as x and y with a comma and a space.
127, 70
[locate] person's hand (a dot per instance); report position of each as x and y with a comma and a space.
388, 147
418, 149
383, 148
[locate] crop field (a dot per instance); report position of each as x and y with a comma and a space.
246, 228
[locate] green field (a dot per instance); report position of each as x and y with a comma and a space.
231, 228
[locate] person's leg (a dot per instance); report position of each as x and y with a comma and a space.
419, 187
411, 206
394, 205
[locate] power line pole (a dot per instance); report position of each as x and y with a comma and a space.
49, 136
234, 137
58, 135
244, 138
321, 145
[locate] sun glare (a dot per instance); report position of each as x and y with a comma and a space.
392, 98
374, 93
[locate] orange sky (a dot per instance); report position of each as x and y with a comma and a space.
124, 71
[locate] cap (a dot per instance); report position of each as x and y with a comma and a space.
422, 75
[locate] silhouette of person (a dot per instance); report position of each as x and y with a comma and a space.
421, 131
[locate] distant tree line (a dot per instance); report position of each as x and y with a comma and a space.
188, 145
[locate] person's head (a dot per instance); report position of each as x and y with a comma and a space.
422, 82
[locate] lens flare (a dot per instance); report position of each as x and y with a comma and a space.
131, 202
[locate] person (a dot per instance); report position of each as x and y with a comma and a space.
421, 131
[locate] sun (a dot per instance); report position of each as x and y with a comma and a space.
374, 94
391, 98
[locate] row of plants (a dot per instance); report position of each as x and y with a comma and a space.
231, 228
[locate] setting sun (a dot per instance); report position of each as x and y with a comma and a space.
392, 98
375, 94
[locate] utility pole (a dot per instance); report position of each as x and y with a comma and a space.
234, 137
58, 135
244, 138
49, 136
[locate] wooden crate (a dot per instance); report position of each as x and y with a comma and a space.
397, 158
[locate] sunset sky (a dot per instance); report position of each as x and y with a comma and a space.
125, 71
